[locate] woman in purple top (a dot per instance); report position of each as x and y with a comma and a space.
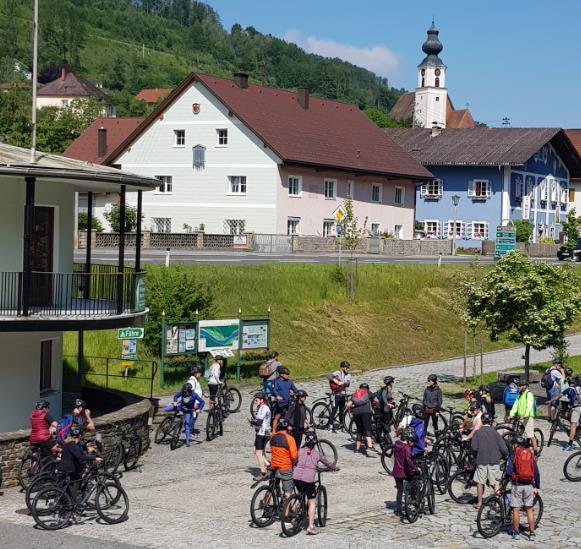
403, 464
304, 475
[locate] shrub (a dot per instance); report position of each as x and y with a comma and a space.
524, 230
130, 218
96, 224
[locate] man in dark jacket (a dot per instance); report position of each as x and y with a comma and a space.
490, 449
432, 402
297, 417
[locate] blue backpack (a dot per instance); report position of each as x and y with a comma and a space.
418, 427
511, 394
63, 427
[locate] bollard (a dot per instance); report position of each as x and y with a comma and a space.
167, 257
440, 260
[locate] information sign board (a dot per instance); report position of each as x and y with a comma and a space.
218, 334
505, 240
180, 339
130, 333
255, 334
129, 349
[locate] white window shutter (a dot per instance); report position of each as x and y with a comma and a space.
438, 230
486, 231
471, 188
440, 187
462, 229
518, 189
469, 230
446, 226
564, 195
488, 189
423, 189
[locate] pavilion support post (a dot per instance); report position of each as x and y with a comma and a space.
27, 243
121, 264
138, 232
87, 281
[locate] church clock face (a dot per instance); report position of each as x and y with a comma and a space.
438, 72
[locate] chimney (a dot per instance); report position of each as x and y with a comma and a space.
241, 80
101, 142
436, 129
303, 98
262, 72
63, 73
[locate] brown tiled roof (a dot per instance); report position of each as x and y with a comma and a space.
152, 95
328, 134
484, 146
404, 107
574, 136
404, 110
461, 118
85, 147
71, 85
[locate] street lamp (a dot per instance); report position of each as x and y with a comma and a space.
455, 201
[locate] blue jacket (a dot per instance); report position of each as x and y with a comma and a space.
282, 388
189, 406
418, 427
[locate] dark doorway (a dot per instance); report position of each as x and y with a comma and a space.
42, 256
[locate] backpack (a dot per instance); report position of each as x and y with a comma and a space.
577, 400
63, 427
360, 397
264, 369
524, 466
511, 394
547, 382
333, 385
418, 427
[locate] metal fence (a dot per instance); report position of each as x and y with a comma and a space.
272, 243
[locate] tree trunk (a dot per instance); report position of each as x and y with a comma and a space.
527, 360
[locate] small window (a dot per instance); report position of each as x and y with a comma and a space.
432, 229
292, 225
479, 188
350, 192
295, 185
199, 156
237, 184
376, 192
165, 186
437, 82
423, 82
328, 227
450, 229
179, 138
161, 224
375, 229
46, 365
65, 103
432, 189
398, 232
399, 196
235, 227
330, 189
222, 136
437, 98
479, 230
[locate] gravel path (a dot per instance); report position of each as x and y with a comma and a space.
201, 495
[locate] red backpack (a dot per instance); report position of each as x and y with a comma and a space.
524, 466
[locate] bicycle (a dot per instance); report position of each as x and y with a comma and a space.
215, 419
34, 461
572, 467
461, 485
419, 492
231, 399
322, 409
516, 428
562, 422
266, 503
379, 431
126, 449
496, 513
294, 510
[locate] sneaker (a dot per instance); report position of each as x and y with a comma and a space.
568, 447
312, 531
532, 536
516, 536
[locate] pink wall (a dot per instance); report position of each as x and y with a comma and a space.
313, 208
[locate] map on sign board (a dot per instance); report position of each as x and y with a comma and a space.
218, 334
180, 339
255, 334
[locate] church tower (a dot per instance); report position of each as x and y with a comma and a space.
431, 94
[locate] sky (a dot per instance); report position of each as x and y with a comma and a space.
519, 59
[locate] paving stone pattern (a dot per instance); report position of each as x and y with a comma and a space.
201, 495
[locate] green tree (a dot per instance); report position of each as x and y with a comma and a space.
130, 218
83, 222
381, 117
572, 228
179, 293
532, 302
524, 230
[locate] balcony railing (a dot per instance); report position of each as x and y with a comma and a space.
102, 292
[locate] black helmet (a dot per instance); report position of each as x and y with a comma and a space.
301, 393
283, 370
42, 405
75, 431
484, 388
486, 418
388, 379
364, 386
523, 382
408, 434
80, 403
569, 371
260, 395
282, 423
433, 377
344, 364
520, 441
218, 357
418, 410
187, 388
196, 370
274, 354
310, 439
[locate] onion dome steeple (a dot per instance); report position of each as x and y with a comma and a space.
432, 47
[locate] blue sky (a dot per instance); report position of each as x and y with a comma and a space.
514, 58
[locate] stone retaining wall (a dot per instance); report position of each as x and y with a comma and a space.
132, 417
416, 247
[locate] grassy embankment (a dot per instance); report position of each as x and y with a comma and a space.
402, 314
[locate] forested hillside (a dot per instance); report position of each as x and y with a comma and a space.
128, 45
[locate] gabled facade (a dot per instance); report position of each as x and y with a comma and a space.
234, 157
497, 174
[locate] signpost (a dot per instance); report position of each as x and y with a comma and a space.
526, 207
130, 333
129, 349
505, 240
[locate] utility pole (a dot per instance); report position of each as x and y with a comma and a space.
34, 79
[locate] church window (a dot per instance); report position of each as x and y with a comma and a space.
437, 82
423, 82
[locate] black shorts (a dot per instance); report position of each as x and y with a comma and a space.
260, 442
363, 422
308, 488
213, 388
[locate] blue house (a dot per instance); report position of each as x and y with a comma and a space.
498, 174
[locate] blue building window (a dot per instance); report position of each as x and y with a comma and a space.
479, 189
432, 189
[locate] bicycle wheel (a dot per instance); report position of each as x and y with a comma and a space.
114, 458
412, 504
540, 440
263, 507
253, 408
162, 430
292, 515
439, 474
572, 467
321, 415
27, 469
461, 487
220, 422
352, 429
52, 508
538, 508
36, 485
233, 400
322, 506
431, 497
132, 453
328, 450
111, 502
211, 425
387, 460
384, 439
554, 427
490, 518
174, 435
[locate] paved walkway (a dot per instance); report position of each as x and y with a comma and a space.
201, 495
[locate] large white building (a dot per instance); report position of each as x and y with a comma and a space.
234, 157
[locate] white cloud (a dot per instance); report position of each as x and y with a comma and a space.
379, 59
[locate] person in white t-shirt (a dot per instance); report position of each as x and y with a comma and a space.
212, 376
261, 424
194, 381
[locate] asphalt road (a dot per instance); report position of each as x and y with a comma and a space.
246, 258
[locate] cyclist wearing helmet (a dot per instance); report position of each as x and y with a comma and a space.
304, 475
190, 404
282, 391
194, 381
297, 417
338, 382
487, 401
82, 416
432, 402
476, 411
416, 424
361, 408
573, 394
261, 424
283, 455
524, 409
212, 376
403, 463
42, 425
386, 398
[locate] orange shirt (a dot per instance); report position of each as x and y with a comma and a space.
283, 451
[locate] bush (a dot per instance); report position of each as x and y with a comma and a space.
96, 224
130, 218
178, 291
547, 240
524, 230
